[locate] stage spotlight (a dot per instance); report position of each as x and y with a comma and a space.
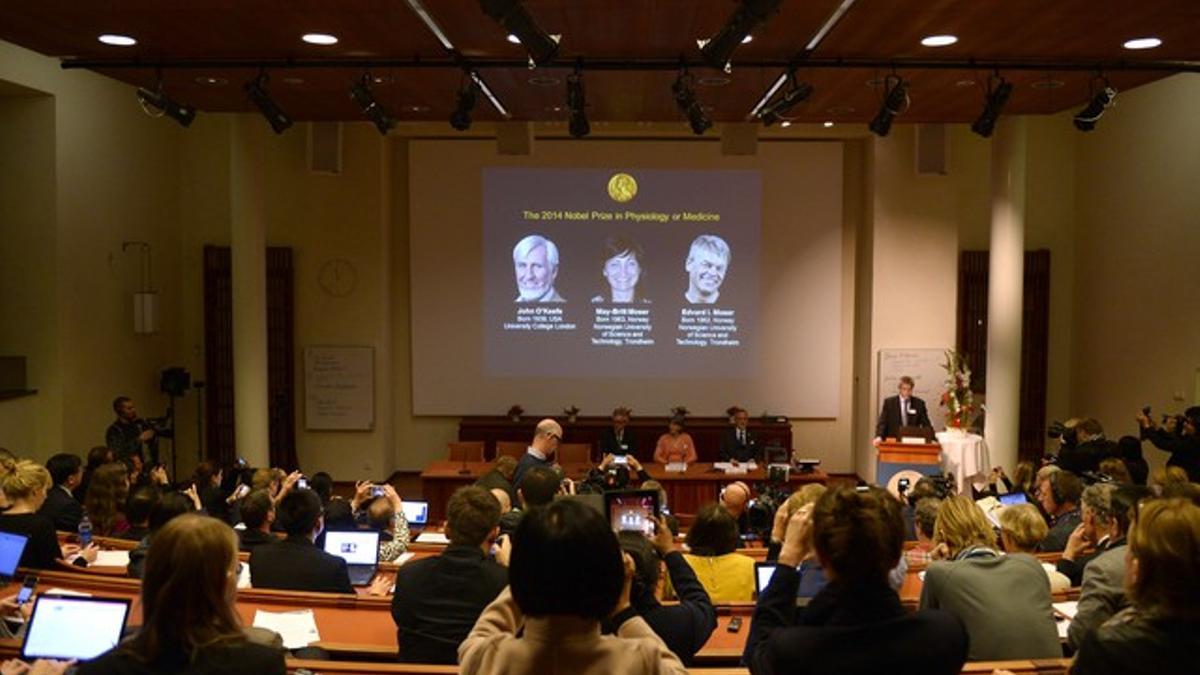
256, 89
360, 91
461, 117
519, 24
577, 123
1085, 120
685, 98
895, 102
795, 93
996, 98
718, 50
156, 103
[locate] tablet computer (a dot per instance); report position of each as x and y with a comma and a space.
632, 510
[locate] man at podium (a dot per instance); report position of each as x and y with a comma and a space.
902, 410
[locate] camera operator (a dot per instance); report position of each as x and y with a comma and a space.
1183, 446
129, 433
1083, 447
616, 472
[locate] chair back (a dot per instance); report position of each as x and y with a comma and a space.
464, 451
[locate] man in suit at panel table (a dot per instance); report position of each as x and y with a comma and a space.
438, 599
902, 410
541, 449
617, 439
296, 564
737, 443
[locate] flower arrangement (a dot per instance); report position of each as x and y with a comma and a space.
572, 413
957, 398
515, 412
679, 411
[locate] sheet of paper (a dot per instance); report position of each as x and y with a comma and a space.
1066, 609
244, 576
298, 628
1062, 625
433, 538
112, 559
676, 467
404, 557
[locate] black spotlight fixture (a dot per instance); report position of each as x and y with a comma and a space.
718, 50
1085, 120
796, 92
256, 89
997, 97
685, 98
156, 103
517, 22
895, 101
360, 91
460, 119
577, 121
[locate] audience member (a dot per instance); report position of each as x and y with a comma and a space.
24, 485
856, 625
924, 517
189, 621
386, 514
502, 498
296, 564
207, 481
808, 494
672, 521
566, 576
438, 599
1004, 600
138, 509
685, 626
500, 476
1162, 477
727, 575
539, 488
1115, 468
170, 506
546, 438
96, 458
1058, 493
1087, 450
676, 445
105, 501
1183, 444
1130, 448
66, 471
923, 489
339, 516
1102, 593
617, 439
1022, 528
1091, 537
322, 484
258, 515
1160, 632
735, 498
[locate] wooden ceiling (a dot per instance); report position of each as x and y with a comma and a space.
1065, 37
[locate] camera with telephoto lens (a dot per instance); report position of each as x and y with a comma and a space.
760, 512
1059, 431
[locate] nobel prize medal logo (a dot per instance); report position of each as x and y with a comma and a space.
622, 187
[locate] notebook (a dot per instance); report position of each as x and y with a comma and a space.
11, 548
73, 628
360, 550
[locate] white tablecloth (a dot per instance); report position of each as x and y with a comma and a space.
965, 456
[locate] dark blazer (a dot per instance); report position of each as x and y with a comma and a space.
527, 462
248, 539
1086, 456
686, 626
889, 422
62, 508
246, 658
495, 480
1060, 531
438, 600
1132, 642
609, 445
1184, 450
296, 564
41, 551
849, 630
731, 449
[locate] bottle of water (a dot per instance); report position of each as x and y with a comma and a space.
85, 531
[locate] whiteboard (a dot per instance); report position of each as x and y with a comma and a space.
924, 366
339, 388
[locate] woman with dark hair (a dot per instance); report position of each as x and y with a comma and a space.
96, 458
1130, 449
169, 507
105, 501
621, 265
676, 445
727, 575
189, 621
566, 575
207, 481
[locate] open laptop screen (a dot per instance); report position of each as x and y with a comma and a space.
358, 548
762, 576
416, 513
67, 628
11, 548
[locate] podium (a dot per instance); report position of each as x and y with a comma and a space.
895, 457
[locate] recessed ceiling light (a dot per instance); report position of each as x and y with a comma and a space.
555, 108
785, 124
382, 80
117, 40
319, 39
747, 39
713, 81
828, 124
1143, 43
545, 81
939, 40
1048, 84
210, 81
414, 108
514, 39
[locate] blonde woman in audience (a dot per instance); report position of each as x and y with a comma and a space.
1021, 528
1160, 632
25, 484
1161, 478
1004, 600
190, 623
727, 575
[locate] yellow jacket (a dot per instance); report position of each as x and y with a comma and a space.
727, 578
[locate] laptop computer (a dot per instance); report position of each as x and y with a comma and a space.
360, 550
12, 546
812, 580
416, 513
73, 628
1013, 498
763, 571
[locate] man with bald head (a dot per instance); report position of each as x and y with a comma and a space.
735, 499
541, 450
